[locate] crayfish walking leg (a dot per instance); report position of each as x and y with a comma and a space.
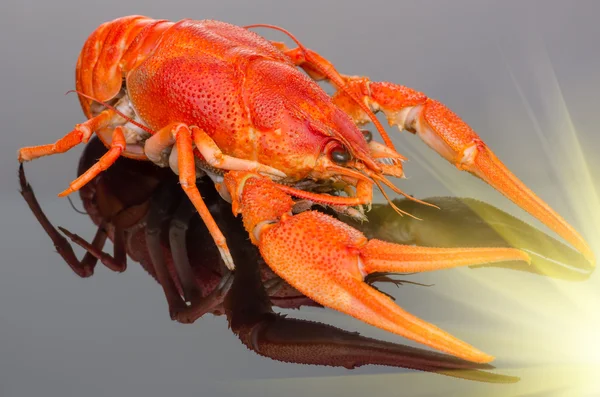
81, 133
84, 267
179, 309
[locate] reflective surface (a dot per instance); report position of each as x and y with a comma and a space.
524, 77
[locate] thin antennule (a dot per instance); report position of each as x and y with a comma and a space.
391, 203
117, 111
280, 29
397, 190
334, 76
75, 208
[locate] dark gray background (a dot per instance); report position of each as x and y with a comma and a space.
523, 74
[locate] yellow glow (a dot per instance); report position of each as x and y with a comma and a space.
553, 326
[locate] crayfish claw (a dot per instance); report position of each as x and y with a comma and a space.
452, 138
327, 260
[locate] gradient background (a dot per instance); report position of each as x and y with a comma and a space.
525, 75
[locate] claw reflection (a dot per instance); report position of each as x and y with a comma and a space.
138, 206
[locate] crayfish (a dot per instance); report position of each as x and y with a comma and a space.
151, 222
213, 98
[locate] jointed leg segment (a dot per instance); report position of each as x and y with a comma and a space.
181, 135
217, 159
178, 308
187, 178
116, 262
117, 146
84, 267
81, 133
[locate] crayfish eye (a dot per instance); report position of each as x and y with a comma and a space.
368, 135
340, 155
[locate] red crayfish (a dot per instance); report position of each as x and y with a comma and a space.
213, 98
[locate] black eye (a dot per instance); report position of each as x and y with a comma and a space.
368, 135
340, 155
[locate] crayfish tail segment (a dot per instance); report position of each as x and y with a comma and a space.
327, 261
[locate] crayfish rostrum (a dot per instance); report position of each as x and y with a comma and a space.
210, 97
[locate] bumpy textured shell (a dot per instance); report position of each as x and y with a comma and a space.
235, 85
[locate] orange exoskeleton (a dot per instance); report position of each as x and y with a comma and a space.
207, 96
